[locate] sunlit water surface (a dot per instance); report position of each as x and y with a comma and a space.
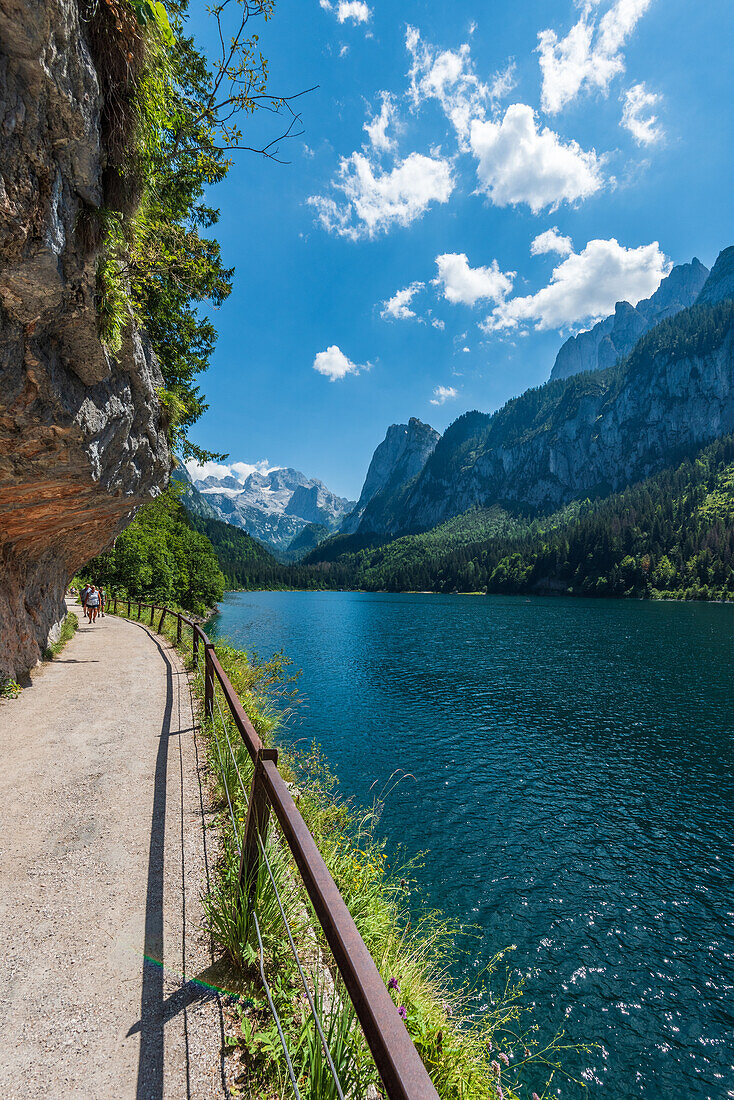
573, 782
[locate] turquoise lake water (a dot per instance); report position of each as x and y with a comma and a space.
571, 784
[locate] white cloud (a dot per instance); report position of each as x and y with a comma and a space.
503, 82
468, 285
334, 364
398, 308
551, 241
517, 162
441, 394
586, 286
374, 200
437, 323
590, 54
356, 10
449, 77
238, 470
378, 125
637, 116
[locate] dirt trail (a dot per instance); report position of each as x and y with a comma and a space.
102, 862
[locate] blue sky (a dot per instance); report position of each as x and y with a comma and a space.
525, 166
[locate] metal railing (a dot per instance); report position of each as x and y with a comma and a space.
396, 1058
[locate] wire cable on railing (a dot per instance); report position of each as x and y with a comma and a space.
314, 1013
231, 751
226, 788
291, 1074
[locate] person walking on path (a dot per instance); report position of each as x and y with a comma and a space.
101, 600
93, 601
83, 595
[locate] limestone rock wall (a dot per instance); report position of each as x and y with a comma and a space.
82, 436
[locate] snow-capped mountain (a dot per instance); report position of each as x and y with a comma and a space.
273, 506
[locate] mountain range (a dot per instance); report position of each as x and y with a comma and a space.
275, 507
585, 435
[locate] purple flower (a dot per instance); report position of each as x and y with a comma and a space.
403, 1012
393, 984
535, 1096
495, 1068
503, 1057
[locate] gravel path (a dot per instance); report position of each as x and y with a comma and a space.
102, 862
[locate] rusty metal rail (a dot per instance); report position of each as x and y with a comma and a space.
398, 1062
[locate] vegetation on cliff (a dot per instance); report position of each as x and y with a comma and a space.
170, 121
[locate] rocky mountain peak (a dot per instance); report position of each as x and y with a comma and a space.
400, 457
720, 283
614, 337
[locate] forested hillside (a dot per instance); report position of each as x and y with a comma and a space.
670, 535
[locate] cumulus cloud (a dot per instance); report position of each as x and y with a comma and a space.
585, 287
442, 394
355, 10
378, 125
551, 241
334, 364
468, 285
398, 308
240, 471
373, 201
591, 52
438, 323
637, 115
449, 77
519, 162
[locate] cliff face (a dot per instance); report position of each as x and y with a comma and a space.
399, 458
614, 337
82, 440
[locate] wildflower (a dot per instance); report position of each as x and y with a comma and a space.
535, 1096
393, 984
403, 1012
526, 1052
495, 1066
503, 1057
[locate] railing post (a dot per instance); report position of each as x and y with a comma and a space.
208, 681
140, 609
160, 624
152, 613
258, 816
195, 660
128, 607
178, 629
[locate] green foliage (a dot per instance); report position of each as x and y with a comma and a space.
170, 121
69, 628
161, 557
9, 689
241, 557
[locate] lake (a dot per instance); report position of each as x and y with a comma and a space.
570, 781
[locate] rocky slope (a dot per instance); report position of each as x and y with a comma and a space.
589, 434
614, 337
397, 460
274, 507
82, 440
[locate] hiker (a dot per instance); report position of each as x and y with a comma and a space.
83, 597
93, 602
101, 600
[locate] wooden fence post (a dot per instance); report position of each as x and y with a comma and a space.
140, 609
160, 624
258, 816
178, 629
152, 613
195, 660
128, 607
208, 681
